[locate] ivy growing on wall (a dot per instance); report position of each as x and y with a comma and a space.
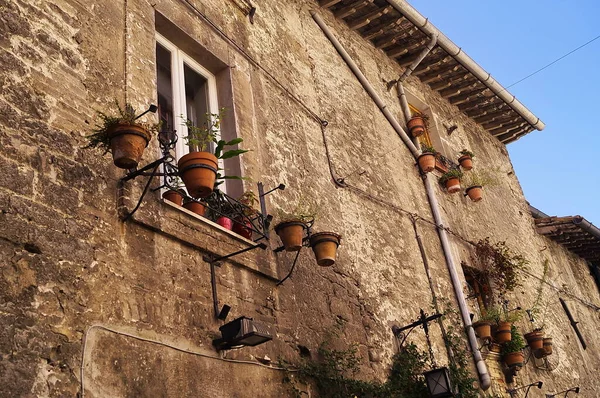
500, 264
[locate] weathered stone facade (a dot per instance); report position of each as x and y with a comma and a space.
74, 276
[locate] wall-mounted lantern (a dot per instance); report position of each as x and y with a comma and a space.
438, 383
241, 332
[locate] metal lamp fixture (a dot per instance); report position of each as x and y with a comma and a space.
513, 391
574, 389
241, 332
438, 383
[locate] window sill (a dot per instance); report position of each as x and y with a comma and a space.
209, 223
191, 230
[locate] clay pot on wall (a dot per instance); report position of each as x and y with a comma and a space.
475, 193
483, 330
195, 207
426, 162
416, 126
174, 196
503, 332
198, 170
535, 339
324, 245
513, 359
291, 233
127, 144
453, 184
466, 162
545, 350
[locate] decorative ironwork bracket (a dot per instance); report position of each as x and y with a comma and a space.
215, 262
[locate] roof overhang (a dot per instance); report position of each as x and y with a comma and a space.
575, 233
402, 32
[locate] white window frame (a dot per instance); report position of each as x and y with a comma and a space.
178, 60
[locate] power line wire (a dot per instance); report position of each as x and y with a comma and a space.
553, 62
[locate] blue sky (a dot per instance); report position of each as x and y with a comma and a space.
511, 39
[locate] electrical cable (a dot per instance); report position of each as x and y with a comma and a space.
149, 340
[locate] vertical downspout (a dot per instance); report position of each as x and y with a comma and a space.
409, 70
484, 377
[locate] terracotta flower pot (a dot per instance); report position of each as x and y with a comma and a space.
198, 170
513, 359
483, 330
545, 350
173, 196
426, 162
453, 185
416, 126
127, 144
196, 207
466, 162
324, 245
535, 339
291, 234
503, 332
225, 222
243, 227
475, 193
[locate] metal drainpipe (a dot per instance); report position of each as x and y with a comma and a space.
482, 371
365, 83
409, 70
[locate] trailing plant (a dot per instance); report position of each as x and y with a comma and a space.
536, 309
461, 378
108, 121
500, 264
450, 174
516, 343
334, 374
466, 152
428, 149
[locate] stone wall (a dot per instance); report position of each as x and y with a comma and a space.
69, 263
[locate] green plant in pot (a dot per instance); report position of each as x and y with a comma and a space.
483, 326
466, 159
292, 224
474, 183
451, 180
122, 135
512, 351
427, 158
199, 169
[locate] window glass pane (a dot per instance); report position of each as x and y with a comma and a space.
165, 88
196, 97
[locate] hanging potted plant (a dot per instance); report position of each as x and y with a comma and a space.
451, 180
417, 125
483, 327
466, 159
122, 135
426, 159
199, 169
292, 224
194, 206
242, 224
535, 339
324, 245
475, 181
512, 351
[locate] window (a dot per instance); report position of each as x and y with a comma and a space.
186, 91
425, 138
478, 288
